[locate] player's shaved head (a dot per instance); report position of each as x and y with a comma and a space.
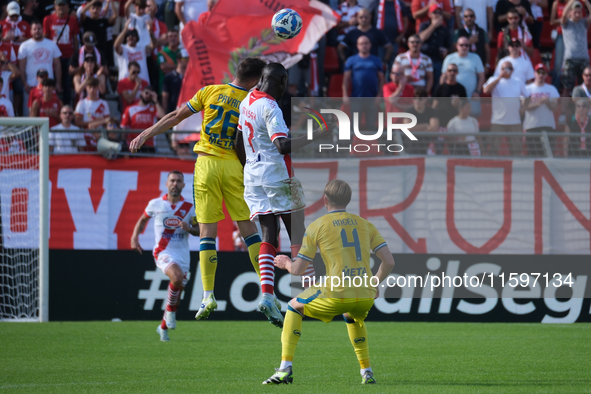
274, 80
338, 193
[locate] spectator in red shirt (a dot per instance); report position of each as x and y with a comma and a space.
62, 28
7, 48
420, 10
48, 105
143, 115
131, 87
398, 89
37, 91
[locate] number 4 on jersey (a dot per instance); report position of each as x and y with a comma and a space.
355, 244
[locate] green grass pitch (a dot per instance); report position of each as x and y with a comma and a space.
214, 356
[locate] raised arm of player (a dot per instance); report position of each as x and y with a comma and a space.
167, 122
137, 230
287, 145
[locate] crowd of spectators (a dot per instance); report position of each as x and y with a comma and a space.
108, 64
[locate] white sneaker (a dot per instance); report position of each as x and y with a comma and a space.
163, 334
208, 305
268, 308
170, 319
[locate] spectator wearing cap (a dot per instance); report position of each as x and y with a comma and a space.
447, 95
130, 87
48, 105
64, 142
88, 48
514, 31
171, 88
418, 67
14, 29
398, 92
523, 8
143, 115
6, 107
506, 91
62, 28
89, 69
478, 40
584, 90
420, 10
522, 66
125, 53
539, 109
9, 72
574, 32
348, 47
436, 39
169, 56
39, 53
99, 24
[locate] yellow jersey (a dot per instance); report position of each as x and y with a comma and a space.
345, 242
221, 109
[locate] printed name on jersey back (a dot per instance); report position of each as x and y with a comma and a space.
222, 98
248, 113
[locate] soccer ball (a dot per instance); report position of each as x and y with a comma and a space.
286, 23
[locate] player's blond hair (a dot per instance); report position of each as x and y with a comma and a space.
338, 193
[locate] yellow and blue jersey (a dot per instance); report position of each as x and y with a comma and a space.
345, 242
221, 109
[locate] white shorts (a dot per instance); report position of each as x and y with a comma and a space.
164, 261
282, 197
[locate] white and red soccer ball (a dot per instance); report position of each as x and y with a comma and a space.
286, 23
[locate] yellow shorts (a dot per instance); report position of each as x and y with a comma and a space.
326, 309
215, 181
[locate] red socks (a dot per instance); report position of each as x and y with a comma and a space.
173, 297
267, 267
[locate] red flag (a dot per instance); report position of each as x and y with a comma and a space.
236, 30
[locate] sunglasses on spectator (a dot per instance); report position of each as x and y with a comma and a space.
582, 106
541, 71
452, 70
68, 113
508, 69
513, 18
414, 42
464, 45
134, 72
587, 75
469, 16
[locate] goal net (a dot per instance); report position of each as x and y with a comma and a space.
24, 203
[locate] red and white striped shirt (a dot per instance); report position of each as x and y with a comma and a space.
170, 238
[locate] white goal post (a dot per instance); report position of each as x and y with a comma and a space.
24, 201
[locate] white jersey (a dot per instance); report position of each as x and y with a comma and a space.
261, 122
171, 240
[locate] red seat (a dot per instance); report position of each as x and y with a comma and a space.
335, 86
536, 58
493, 57
331, 60
546, 37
